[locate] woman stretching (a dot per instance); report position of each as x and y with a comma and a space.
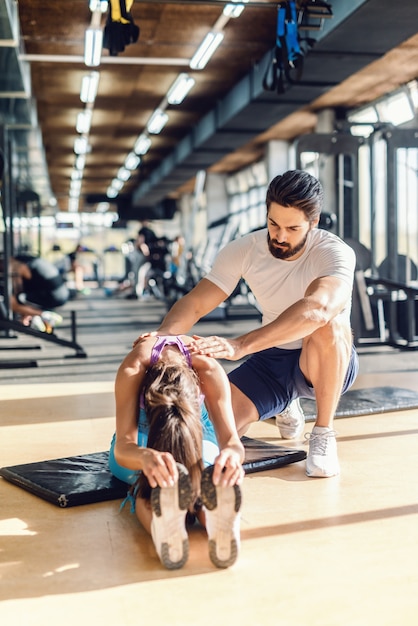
176, 456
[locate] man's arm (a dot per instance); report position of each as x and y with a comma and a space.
25, 310
202, 299
324, 299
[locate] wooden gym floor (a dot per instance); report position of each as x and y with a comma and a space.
317, 552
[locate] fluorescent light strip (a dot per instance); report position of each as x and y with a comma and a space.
117, 184
80, 162
89, 86
124, 174
157, 121
233, 10
132, 161
76, 185
142, 144
84, 121
180, 88
81, 145
206, 50
98, 5
111, 192
93, 42
76, 175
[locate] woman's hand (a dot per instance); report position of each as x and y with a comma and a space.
159, 467
228, 470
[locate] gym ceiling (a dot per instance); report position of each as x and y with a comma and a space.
360, 51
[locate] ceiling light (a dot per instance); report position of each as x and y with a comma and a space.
234, 9
75, 186
81, 145
132, 161
80, 162
180, 88
157, 121
111, 192
102, 207
361, 130
364, 116
117, 184
98, 5
93, 42
76, 174
84, 121
142, 144
124, 174
205, 50
396, 109
89, 85
73, 205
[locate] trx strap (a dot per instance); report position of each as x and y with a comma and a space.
119, 11
287, 60
120, 29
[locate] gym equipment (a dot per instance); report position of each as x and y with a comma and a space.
86, 479
368, 401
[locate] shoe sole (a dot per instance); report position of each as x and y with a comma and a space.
229, 500
318, 473
180, 494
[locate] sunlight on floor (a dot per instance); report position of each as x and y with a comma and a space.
14, 527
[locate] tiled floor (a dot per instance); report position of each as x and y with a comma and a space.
326, 552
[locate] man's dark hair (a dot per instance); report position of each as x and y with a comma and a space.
297, 189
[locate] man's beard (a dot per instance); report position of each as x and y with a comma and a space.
285, 251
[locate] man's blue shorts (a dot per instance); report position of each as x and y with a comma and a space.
272, 378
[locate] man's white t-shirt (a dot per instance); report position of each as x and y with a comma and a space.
276, 283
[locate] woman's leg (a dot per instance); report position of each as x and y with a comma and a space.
144, 513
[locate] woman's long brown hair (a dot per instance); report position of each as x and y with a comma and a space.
172, 406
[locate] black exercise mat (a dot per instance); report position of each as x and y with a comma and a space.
367, 402
261, 456
86, 479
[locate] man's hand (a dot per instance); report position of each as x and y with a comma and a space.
144, 336
217, 347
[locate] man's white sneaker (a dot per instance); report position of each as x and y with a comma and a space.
291, 421
322, 459
168, 526
222, 505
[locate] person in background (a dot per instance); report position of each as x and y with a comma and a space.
77, 269
177, 250
137, 265
37, 289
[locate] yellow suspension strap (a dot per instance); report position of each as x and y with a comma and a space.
119, 10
